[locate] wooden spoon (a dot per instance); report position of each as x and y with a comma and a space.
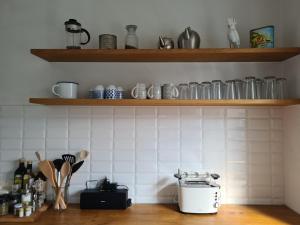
83, 154
64, 172
38, 156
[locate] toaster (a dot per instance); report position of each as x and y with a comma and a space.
198, 193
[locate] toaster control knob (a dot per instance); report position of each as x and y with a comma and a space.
216, 205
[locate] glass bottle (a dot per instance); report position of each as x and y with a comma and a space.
131, 41
29, 174
19, 174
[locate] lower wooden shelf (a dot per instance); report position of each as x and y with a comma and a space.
163, 102
36, 215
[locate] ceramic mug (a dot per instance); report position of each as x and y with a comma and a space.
120, 92
65, 89
139, 91
170, 91
99, 92
111, 92
154, 91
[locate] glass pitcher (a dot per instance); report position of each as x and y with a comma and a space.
73, 34
131, 41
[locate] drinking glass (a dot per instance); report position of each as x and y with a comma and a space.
281, 88
205, 90
259, 88
193, 90
250, 88
230, 90
217, 89
269, 88
239, 88
183, 91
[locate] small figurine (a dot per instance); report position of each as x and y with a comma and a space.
233, 35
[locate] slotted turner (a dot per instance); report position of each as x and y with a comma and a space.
69, 158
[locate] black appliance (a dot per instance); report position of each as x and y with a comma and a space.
106, 196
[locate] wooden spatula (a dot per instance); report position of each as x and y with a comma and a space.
64, 172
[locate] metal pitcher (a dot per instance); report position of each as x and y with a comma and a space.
165, 43
189, 39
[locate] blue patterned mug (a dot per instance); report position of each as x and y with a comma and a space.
111, 92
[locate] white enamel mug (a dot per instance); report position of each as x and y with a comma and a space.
65, 89
139, 91
154, 91
170, 91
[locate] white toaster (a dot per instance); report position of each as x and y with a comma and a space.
198, 193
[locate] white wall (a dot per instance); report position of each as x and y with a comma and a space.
142, 147
39, 24
291, 37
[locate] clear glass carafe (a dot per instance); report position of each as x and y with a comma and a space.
132, 41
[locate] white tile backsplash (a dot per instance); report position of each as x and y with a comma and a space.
142, 147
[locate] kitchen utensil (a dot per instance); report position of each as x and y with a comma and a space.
111, 92
131, 41
281, 88
170, 91
269, 88
38, 156
250, 88
64, 172
139, 91
73, 32
205, 90
183, 91
65, 89
165, 43
154, 91
189, 39
217, 88
259, 88
47, 170
76, 167
230, 92
83, 154
107, 41
58, 164
193, 90
69, 158
239, 84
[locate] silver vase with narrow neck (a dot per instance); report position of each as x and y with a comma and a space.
189, 39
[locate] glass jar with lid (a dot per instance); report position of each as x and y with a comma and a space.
131, 41
3, 205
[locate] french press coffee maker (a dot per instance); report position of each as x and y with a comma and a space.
73, 34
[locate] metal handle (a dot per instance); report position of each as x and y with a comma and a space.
88, 36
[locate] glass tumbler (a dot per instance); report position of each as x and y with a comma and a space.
269, 88
239, 88
217, 89
183, 91
230, 92
250, 88
259, 88
205, 90
193, 90
281, 87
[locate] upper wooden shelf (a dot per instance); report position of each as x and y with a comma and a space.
173, 55
163, 102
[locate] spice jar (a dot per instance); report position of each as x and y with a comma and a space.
13, 200
19, 210
3, 205
28, 210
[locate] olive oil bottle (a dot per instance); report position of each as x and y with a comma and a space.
19, 174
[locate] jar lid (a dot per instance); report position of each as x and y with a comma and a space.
69, 82
270, 77
18, 206
216, 81
249, 78
206, 82
131, 26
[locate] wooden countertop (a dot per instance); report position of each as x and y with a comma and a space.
160, 214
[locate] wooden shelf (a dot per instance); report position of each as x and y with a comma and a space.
163, 102
173, 55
